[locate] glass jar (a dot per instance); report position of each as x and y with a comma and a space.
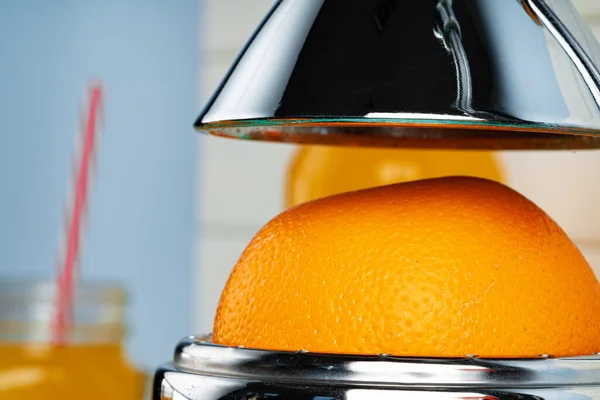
91, 365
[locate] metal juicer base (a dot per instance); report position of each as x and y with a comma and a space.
203, 370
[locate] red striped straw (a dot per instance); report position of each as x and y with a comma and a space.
84, 158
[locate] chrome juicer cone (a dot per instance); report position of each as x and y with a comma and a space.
497, 74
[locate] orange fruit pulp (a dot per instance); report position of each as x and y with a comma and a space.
90, 371
442, 267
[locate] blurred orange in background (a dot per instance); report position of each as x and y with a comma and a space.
319, 171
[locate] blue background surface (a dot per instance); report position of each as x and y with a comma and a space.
141, 224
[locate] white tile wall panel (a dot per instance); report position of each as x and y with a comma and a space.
588, 8
242, 181
231, 22
216, 258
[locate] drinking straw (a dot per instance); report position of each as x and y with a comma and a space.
75, 209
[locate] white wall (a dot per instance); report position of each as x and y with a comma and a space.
242, 182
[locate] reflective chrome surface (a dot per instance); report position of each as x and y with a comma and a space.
367, 72
202, 370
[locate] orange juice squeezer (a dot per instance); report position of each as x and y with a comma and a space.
448, 288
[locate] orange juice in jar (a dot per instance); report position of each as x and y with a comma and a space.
320, 171
92, 364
